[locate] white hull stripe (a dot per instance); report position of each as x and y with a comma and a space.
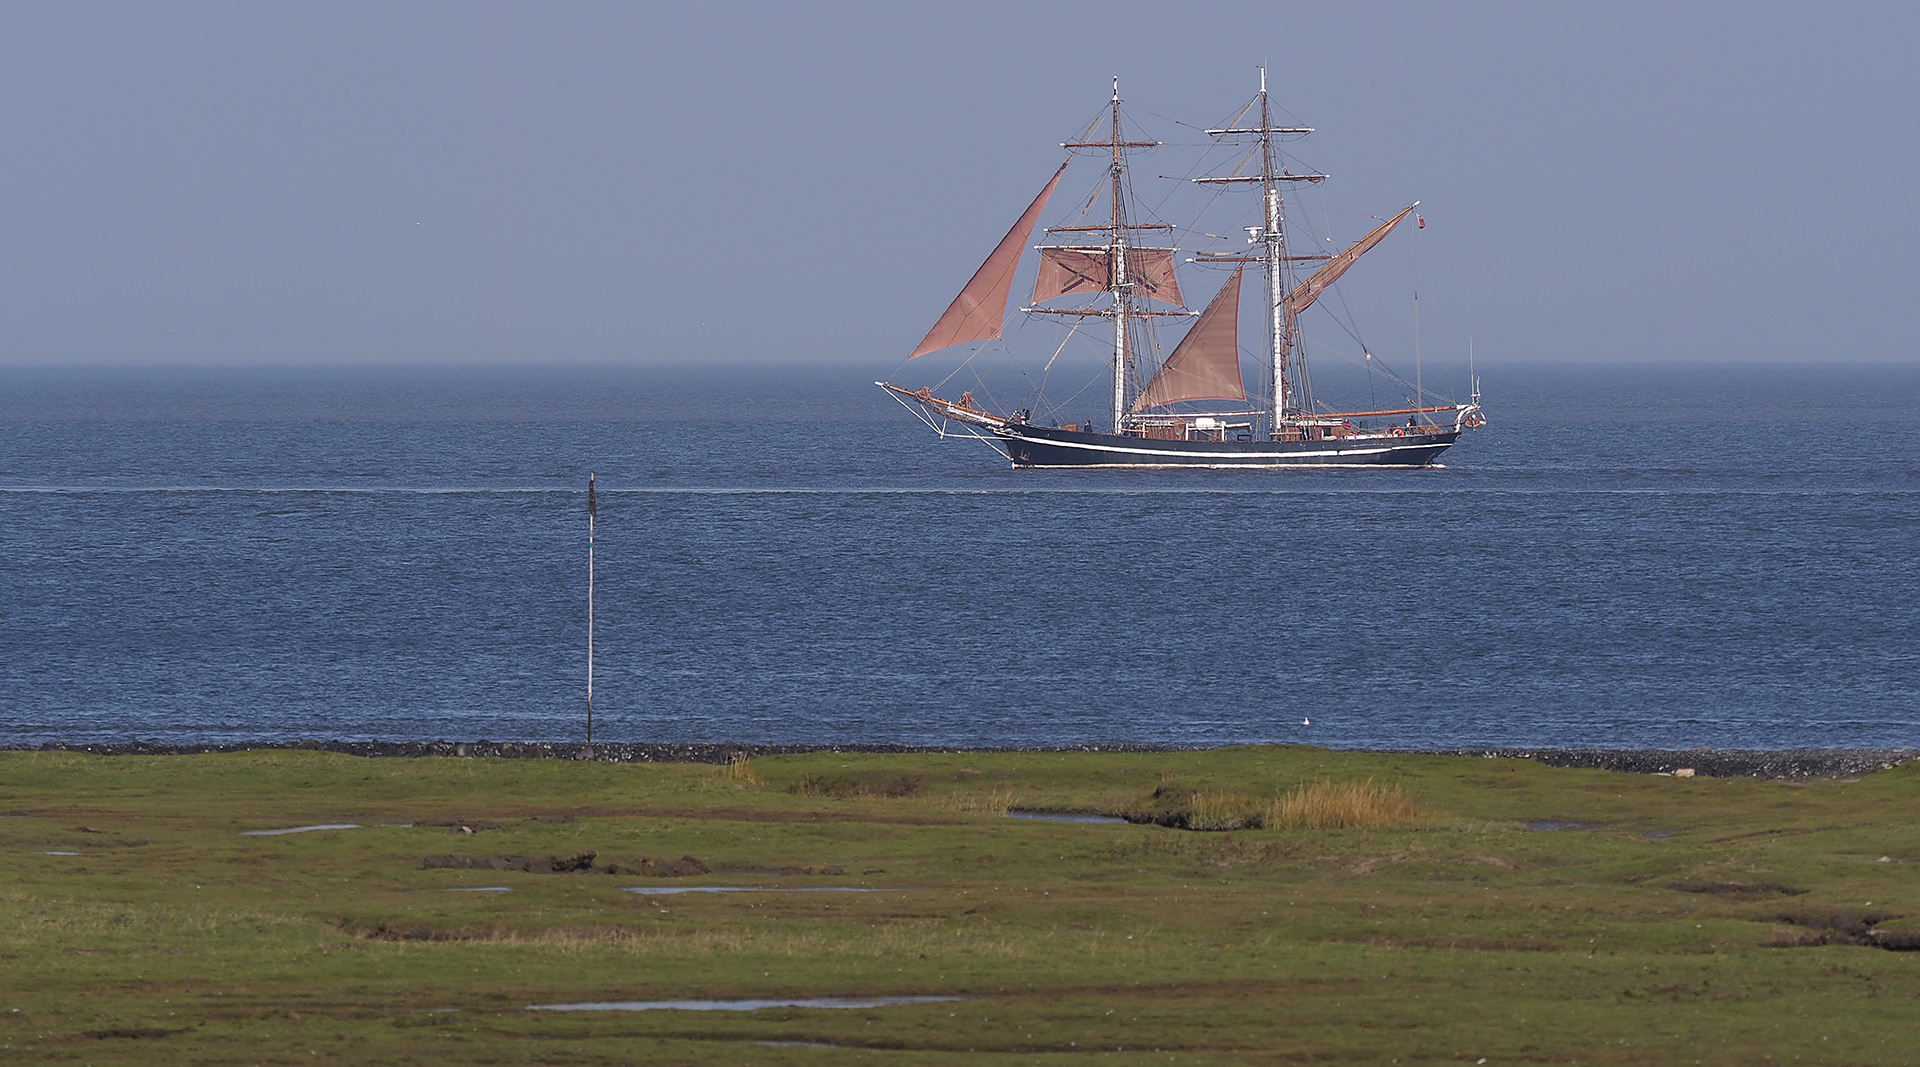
1201, 457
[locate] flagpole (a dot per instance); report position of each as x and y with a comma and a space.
592, 506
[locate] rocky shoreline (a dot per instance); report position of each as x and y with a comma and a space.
1708, 762
1704, 762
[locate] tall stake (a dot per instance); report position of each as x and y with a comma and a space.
1121, 283
592, 507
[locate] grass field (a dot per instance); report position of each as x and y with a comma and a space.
1492, 910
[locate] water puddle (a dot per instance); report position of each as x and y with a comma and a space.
1562, 826
60, 853
737, 1005
481, 889
301, 829
1053, 817
669, 890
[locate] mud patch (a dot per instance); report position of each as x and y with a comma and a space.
1735, 890
136, 1032
421, 932
1048, 816
580, 863
1810, 930
684, 867
739, 1005
670, 890
460, 826
475, 826
785, 871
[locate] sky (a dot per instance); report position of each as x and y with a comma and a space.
355, 184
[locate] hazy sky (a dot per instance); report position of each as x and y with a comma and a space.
339, 183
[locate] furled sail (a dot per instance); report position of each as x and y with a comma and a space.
1205, 365
1308, 291
976, 314
1075, 271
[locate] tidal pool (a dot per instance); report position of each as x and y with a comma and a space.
301, 829
1051, 817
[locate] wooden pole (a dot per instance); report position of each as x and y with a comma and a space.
592, 506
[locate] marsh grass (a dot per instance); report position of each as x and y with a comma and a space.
741, 769
992, 802
794, 940
857, 785
1066, 935
1225, 810
1329, 805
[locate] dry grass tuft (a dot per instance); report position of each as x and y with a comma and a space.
740, 769
1343, 806
996, 802
1224, 810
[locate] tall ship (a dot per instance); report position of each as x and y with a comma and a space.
1189, 408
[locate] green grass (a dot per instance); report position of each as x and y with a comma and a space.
1656, 934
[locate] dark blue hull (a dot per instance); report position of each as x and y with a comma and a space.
1040, 446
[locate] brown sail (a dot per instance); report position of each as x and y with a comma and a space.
976, 314
1075, 271
1071, 271
1153, 274
1308, 291
1205, 365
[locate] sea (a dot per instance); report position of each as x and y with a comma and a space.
1652, 556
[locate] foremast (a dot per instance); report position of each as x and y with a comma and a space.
1121, 274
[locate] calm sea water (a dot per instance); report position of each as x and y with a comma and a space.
1630, 557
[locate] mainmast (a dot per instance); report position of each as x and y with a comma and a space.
1120, 287
1279, 281
1272, 234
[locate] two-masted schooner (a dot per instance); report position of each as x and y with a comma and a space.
1157, 424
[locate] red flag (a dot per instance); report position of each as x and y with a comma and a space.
1422, 221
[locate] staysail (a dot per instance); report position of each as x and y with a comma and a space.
1073, 271
1308, 291
976, 314
1205, 365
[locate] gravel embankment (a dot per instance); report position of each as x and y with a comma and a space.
1705, 762
613, 752
1708, 762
